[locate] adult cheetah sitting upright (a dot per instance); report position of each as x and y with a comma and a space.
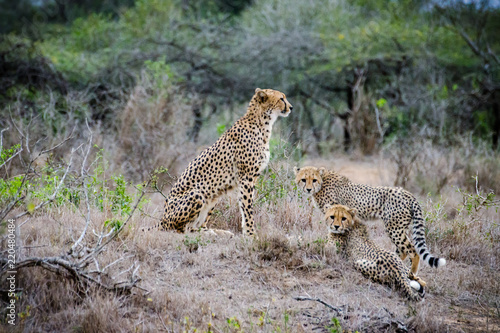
234, 162
397, 207
351, 238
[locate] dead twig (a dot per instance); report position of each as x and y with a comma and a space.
10, 158
85, 191
302, 298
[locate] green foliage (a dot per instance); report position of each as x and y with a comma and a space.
471, 215
55, 186
381, 102
318, 246
193, 244
6, 153
474, 202
221, 128
272, 186
110, 194
419, 66
160, 73
234, 323
113, 224
335, 326
9, 188
93, 33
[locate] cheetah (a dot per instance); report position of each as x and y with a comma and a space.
397, 207
233, 163
380, 265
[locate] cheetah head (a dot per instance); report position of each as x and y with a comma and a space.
339, 218
309, 179
274, 102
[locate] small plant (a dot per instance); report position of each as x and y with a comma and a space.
274, 185
221, 128
234, 324
474, 202
193, 244
319, 245
113, 224
8, 153
335, 326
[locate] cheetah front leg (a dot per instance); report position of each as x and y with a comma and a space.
217, 232
245, 202
209, 215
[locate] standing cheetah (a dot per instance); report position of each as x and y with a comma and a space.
234, 162
397, 207
351, 238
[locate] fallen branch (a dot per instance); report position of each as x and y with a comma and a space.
302, 298
71, 270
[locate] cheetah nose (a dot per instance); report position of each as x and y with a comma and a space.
291, 108
336, 227
308, 190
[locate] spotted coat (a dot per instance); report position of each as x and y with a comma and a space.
234, 162
352, 241
397, 207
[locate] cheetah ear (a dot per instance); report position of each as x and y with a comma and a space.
261, 95
296, 170
322, 171
353, 211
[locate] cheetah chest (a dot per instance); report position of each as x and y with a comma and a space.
265, 156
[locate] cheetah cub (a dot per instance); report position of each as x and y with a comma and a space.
397, 207
351, 238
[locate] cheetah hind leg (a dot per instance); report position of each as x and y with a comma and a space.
368, 268
405, 248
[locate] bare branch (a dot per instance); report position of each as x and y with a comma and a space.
302, 298
85, 191
473, 46
10, 158
68, 269
493, 55
69, 137
99, 247
1, 137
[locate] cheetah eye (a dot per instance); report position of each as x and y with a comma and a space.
332, 217
343, 219
304, 180
315, 180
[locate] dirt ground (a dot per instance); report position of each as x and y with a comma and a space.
285, 280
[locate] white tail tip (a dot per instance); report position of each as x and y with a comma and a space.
441, 262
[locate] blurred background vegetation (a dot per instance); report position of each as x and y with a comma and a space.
155, 78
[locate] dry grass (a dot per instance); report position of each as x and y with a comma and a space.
219, 284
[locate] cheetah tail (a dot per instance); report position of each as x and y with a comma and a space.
418, 235
157, 226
